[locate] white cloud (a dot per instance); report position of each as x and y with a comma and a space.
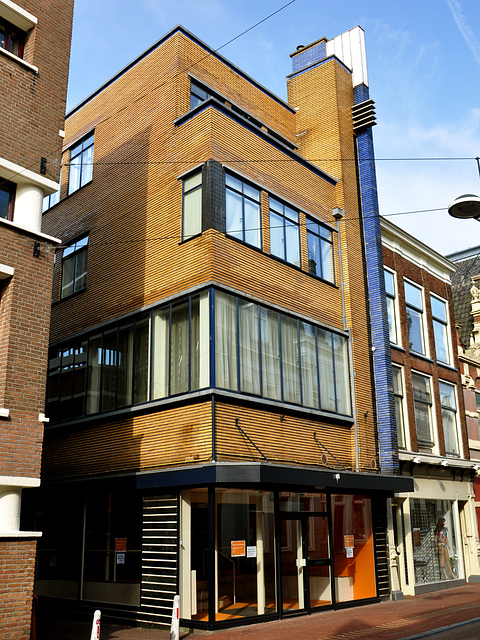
464, 28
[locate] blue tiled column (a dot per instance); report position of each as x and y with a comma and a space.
382, 361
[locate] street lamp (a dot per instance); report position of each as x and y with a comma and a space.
466, 206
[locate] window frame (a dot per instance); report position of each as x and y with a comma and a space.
14, 38
452, 410
393, 305
431, 443
293, 224
321, 242
421, 312
246, 199
437, 321
71, 252
11, 189
400, 407
81, 150
188, 196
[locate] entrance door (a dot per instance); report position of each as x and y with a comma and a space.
305, 563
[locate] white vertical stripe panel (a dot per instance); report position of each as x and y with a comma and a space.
349, 47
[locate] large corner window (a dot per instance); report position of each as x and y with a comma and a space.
74, 267
449, 419
422, 399
320, 250
81, 164
440, 329
12, 39
267, 353
414, 307
192, 205
398, 394
7, 199
391, 295
242, 211
284, 232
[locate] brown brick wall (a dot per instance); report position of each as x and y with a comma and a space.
33, 104
17, 562
404, 268
24, 327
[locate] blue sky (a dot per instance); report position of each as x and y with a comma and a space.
423, 62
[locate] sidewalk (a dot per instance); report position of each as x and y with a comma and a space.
383, 621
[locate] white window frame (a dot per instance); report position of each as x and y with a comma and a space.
405, 423
457, 424
396, 308
432, 415
448, 345
423, 326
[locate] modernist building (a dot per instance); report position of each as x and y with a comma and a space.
430, 416
33, 79
212, 422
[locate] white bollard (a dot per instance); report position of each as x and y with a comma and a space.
175, 628
96, 626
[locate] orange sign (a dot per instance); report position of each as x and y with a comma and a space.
238, 548
120, 544
349, 541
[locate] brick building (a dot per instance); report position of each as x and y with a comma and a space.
430, 416
212, 421
466, 304
34, 54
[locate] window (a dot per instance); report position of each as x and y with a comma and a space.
74, 267
52, 199
81, 164
398, 395
242, 211
267, 353
390, 291
440, 329
192, 205
449, 419
422, 400
12, 39
414, 304
284, 232
320, 250
198, 94
7, 199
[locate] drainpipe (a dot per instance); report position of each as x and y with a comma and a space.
338, 215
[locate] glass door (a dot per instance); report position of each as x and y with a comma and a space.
293, 562
305, 563
318, 562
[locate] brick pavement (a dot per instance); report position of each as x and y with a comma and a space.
383, 621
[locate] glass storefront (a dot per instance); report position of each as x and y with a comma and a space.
434, 543
324, 543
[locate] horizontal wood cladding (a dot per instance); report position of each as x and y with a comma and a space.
181, 435
234, 87
280, 438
